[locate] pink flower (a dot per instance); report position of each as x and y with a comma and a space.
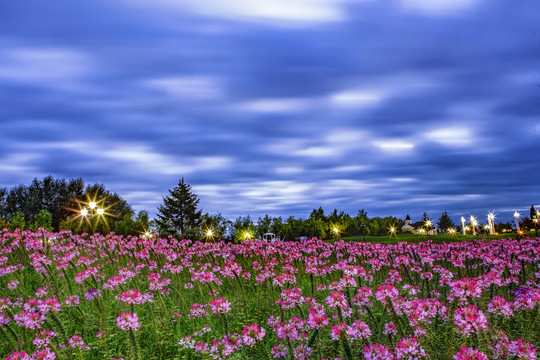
357, 331
43, 338
73, 300
316, 317
134, 297
409, 348
197, 311
377, 352
4, 319
49, 304
466, 353
290, 298
362, 297
390, 329
127, 321
12, 285
220, 306
251, 334
385, 292
499, 306
44, 354
337, 299
469, 320
301, 352
522, 350
18, 355
30, 320
279, 351
77, 342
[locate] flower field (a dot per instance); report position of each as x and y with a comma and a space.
65, 296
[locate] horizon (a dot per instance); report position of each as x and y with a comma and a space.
280, 107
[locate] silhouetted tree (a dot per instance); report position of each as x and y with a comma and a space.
444, 222
179, 212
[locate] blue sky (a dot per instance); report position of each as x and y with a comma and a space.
278, 106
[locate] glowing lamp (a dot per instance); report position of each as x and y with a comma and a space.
92, 204
84, 212
100, 211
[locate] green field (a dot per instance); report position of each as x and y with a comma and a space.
439, 238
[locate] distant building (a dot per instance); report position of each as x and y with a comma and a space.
416, 227
408, 227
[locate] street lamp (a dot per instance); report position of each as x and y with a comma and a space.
92, 213
516, 219
473, 223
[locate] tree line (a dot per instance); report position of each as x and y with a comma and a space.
56, 204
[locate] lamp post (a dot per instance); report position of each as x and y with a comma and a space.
535, 220
516, 220
92, 213
363, 226
491, 222
463, 225
473, 223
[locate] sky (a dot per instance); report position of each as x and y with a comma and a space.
278, 106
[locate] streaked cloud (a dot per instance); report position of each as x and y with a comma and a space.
189, 87
277, 106
439, 7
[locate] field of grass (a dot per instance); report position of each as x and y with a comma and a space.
439, 238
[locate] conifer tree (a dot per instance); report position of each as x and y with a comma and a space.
179, 213
445, 222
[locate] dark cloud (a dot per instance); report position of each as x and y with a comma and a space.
396, 107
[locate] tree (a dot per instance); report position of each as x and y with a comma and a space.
243, 229
179, 213
444, 223
42, 219
215, 227
16, 220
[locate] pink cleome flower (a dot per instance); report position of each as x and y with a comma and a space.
127, 321
409, 348
467, 353
469, 320
377, 352
251, 334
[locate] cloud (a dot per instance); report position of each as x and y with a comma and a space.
275, 105
292, 12
439, 7
356, 98
393, 145
190, 87
50, 67
451, 136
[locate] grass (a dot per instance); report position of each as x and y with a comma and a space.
439, 238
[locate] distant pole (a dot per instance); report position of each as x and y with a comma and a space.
463, 225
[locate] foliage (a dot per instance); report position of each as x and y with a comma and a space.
444, 223
220, 228
43, 219
179, 213
62, 199
16, 220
